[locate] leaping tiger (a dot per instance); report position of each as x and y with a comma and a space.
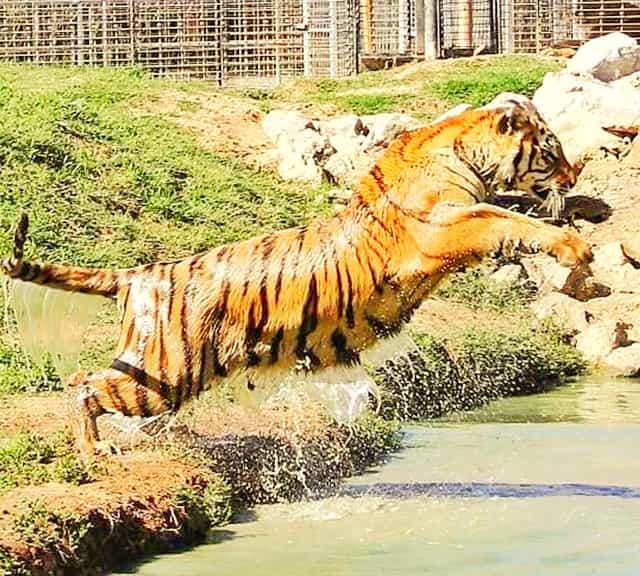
317, 295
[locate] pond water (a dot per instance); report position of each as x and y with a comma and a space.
539, 485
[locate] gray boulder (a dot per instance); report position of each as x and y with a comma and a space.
607, 58
624, 361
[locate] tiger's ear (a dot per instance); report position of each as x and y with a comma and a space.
515, 117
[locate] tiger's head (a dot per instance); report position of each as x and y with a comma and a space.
519, 153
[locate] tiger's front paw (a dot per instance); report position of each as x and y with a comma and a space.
571, 250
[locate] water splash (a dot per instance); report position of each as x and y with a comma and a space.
52, 323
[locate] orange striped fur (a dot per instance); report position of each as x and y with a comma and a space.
316, 296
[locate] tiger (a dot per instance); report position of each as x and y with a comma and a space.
316, 296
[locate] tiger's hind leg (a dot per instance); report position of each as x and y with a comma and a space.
107, 391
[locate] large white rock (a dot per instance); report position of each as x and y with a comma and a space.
601, 338
505, 98
562, 309
284, 124
611, 267
607, 58
624, 361
577, 107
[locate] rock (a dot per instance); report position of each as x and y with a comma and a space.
632, 159
624, 361
631, 251
545, 273
609, 256
348, 126
607, 58
509, 274
612, 267
599, 339
279, 124
581, 285
455, 111
620, 307
383, 128
562, 308
577, 107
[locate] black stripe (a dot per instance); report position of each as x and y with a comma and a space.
187, 353
254, 330
378, 176
142, 400
383, 329
218, 315
309, 320
338, 283
349, 310
202, 380
275, 345
344, 354
164, 389
116, 399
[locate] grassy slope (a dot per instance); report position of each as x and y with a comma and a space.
423, 90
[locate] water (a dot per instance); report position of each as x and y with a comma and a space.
543, 485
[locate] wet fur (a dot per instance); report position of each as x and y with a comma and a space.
317, 296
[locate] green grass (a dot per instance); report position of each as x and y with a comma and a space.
478, 85
478, 365
439, 85
108, 186
29, 459
475, 288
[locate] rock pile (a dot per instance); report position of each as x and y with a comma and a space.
338, 150
600, 87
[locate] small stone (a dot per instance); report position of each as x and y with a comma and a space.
509, 274
601, 338
631, 250
545, 273
624, 361
607, 58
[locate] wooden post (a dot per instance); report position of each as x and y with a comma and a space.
420, 30
306, 39
431, 42
367, 26
105, 30
333, 38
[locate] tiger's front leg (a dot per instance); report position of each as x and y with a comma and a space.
462, 235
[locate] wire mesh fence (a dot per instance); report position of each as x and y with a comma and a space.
468, 27
220, 40
230, 41
388, 27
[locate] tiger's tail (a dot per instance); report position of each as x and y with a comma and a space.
99, 281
